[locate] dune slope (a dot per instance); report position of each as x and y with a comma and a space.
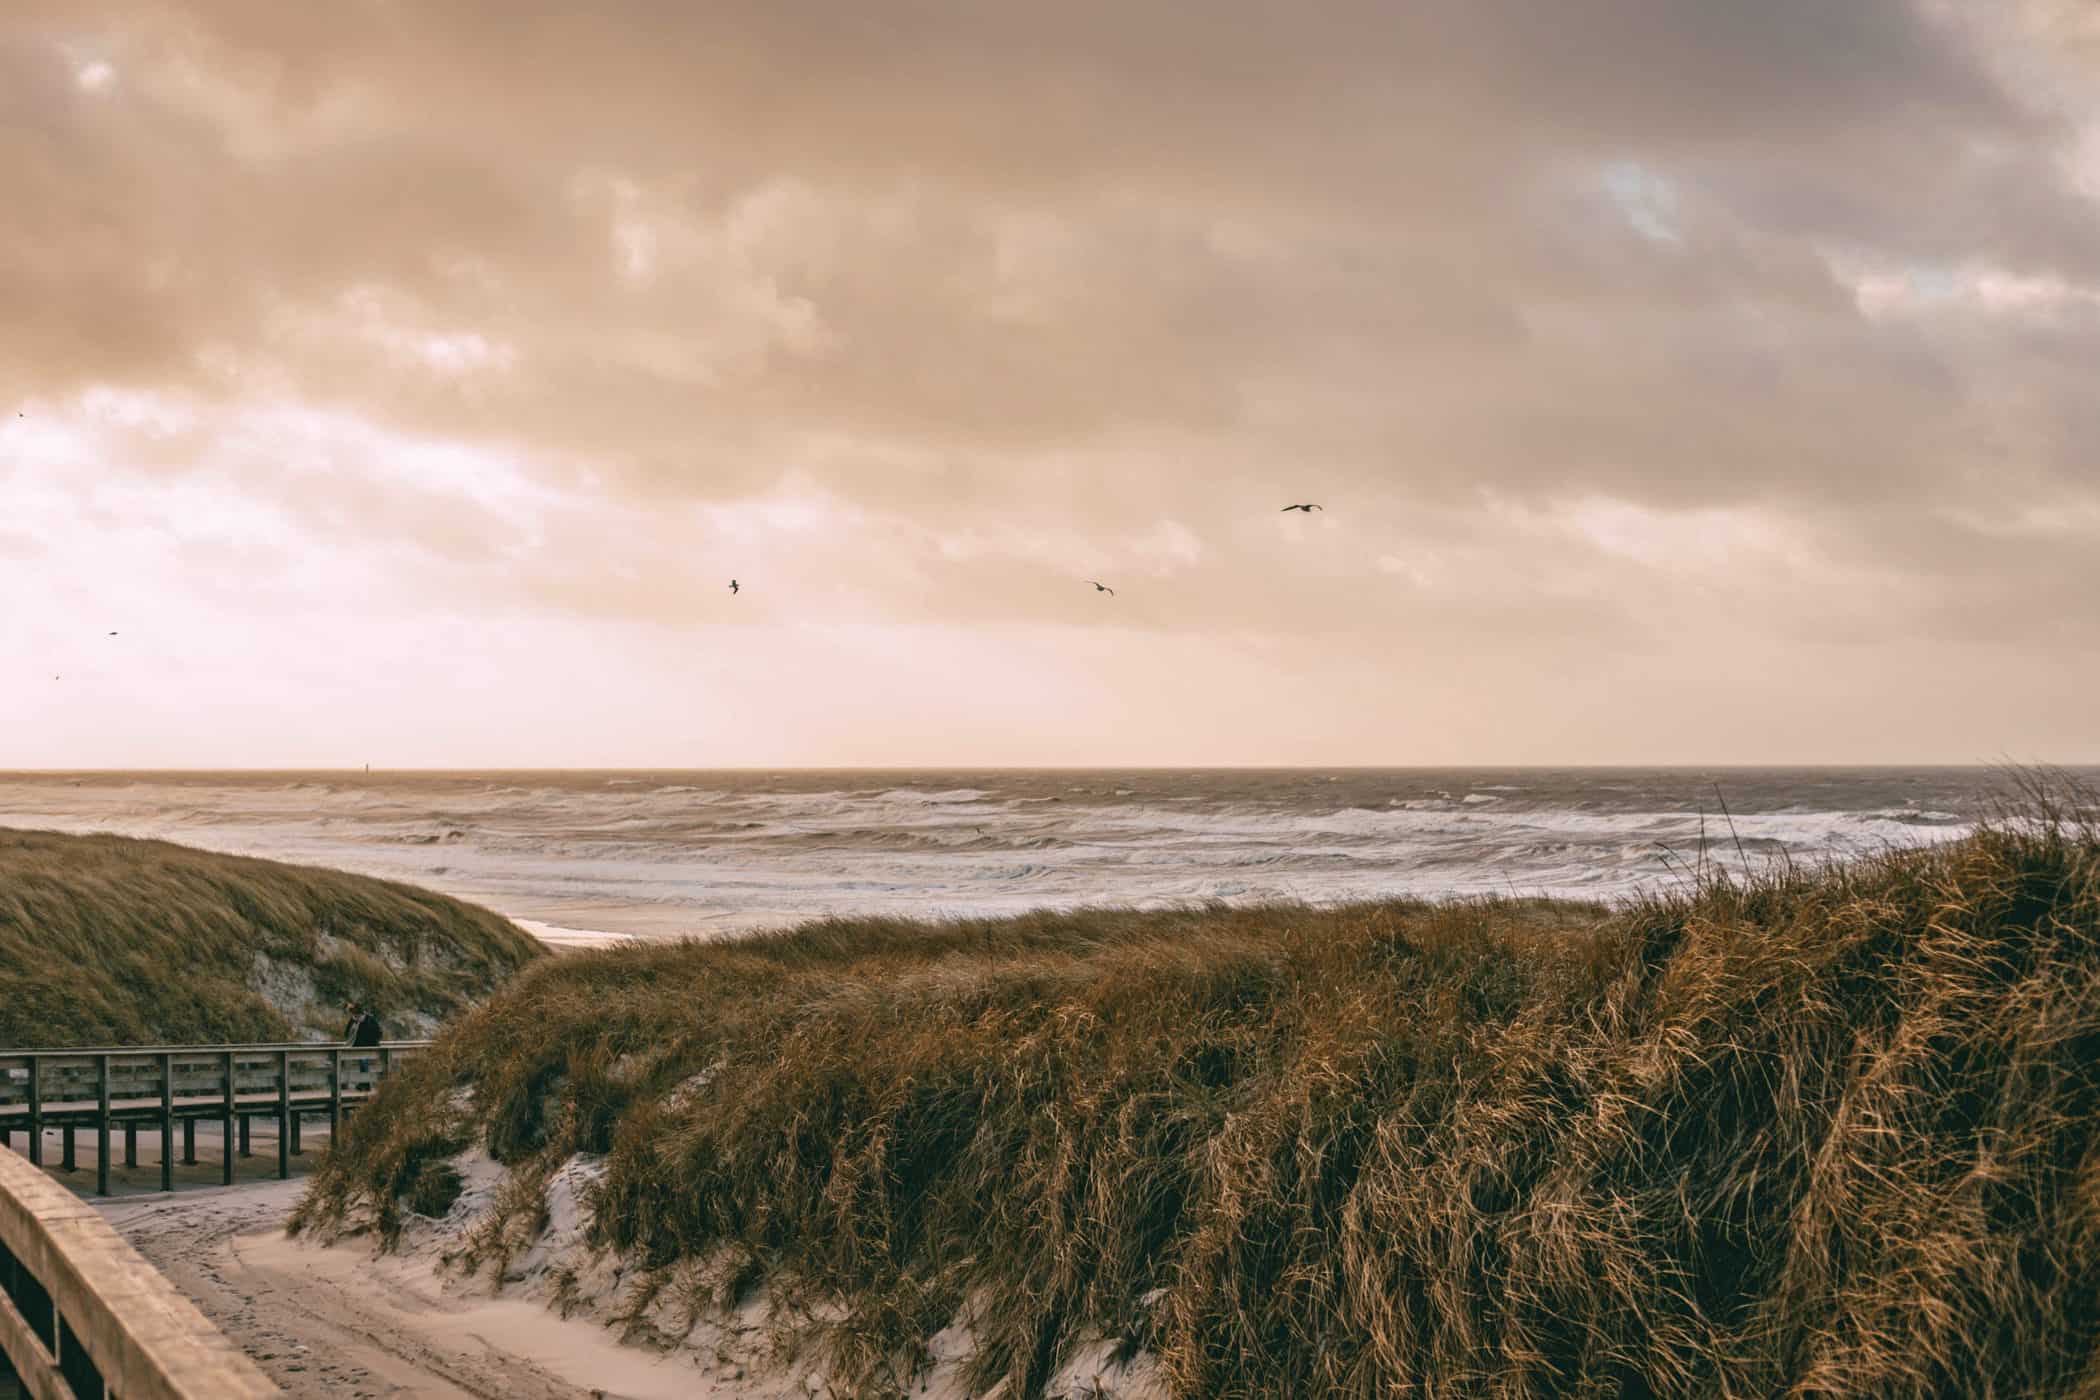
1833, 1132
106, 940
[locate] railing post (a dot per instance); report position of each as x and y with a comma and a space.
36, 1110
102, 1125
284, 1115
166, 1062
71, 1115
226, 1125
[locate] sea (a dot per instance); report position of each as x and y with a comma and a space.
590, 857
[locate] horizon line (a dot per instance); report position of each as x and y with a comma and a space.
1738, 765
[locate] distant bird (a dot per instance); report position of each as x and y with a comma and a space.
732, 587
1307, 508
112, 634
1103, 588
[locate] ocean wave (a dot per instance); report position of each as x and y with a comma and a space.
936, 798
723, 851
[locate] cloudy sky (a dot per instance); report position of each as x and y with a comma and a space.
1685, 380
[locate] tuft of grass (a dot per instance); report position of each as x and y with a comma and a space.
1829, 1132
436, 1186
106, 940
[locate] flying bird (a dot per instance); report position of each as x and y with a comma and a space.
1103, 588
732, 587
112, 634
1308, 508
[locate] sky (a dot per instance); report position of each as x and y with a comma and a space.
1685, 381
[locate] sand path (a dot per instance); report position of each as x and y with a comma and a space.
336, 1323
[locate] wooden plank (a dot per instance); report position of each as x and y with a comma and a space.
167, 1122
284, 1115
14, 1079
102, 1087
226, 1126
66, 1063
102, 1127
259, 1046
34, 1364
36, 1111
146, 1340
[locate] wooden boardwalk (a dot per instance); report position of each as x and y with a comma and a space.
83, 1317
122, 1090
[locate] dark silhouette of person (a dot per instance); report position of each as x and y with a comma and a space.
363, 1032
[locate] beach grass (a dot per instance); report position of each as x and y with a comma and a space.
1831, 1132
106, 940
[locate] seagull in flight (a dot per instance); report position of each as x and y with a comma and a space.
1103, 588
1308, 508
732, 588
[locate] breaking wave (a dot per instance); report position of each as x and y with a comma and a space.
661, 854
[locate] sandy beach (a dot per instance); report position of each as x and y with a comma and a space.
335, 1323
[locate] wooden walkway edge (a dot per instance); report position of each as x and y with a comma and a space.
83, 1317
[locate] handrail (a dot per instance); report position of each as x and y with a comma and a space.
14, 1050
73, 1088
82, 1315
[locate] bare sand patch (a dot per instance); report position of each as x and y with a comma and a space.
335, 1322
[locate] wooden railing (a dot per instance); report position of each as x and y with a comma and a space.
83, 1317
161, 1086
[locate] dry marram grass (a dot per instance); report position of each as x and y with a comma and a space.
1832, 1133
111, 941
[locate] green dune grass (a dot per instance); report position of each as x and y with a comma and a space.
110, 941
1832, 1133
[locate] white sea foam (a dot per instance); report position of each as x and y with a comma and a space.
590, 858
